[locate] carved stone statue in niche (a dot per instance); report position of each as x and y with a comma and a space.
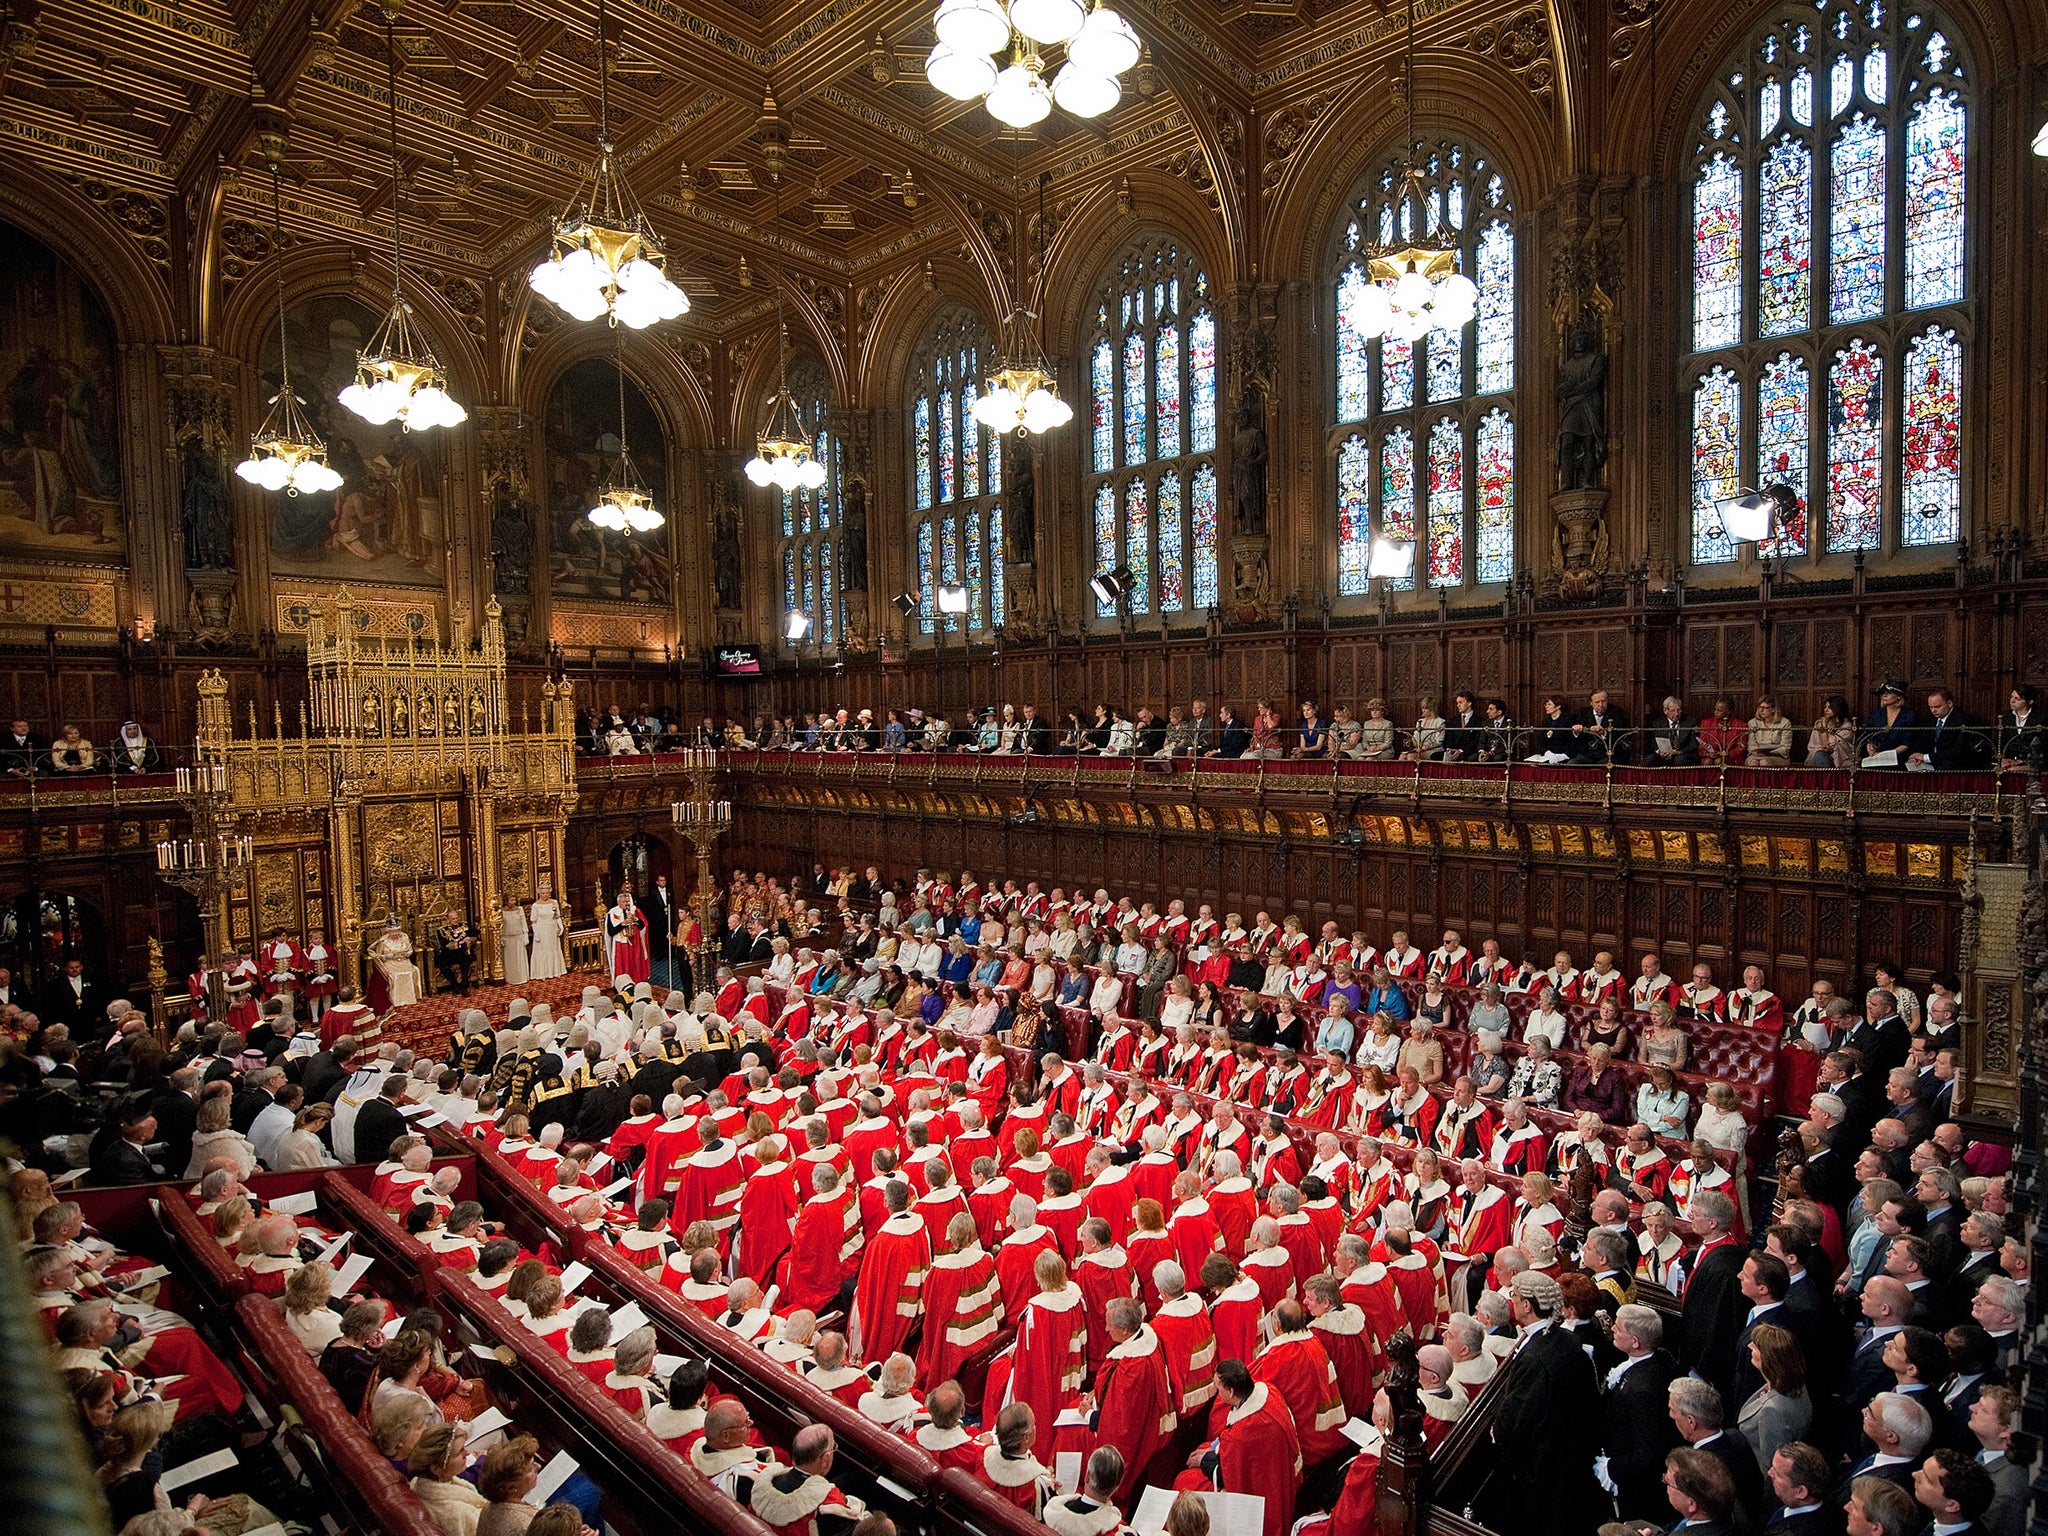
205, 511
512, 561
1581, 409
1020, 503
853, 548
1248, 454
726, 579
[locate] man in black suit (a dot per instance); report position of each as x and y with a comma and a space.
257, 1093
1896, 1431
120, 1159
1696, 1407
1799, 1482
1233, 736
1636, 1427
1765, 1283
1698, 1488
660, 911
1601, 731
736, 944
1714, 1304
1941, 1192
1465, 730
1954, 1490
760, 947
1981, 1236
1673, 741
1882, 1037
1904, 1104
176, 1111
1950, 741
1545, 1430
72, 1000
1031, 738
21, 750
378, 1122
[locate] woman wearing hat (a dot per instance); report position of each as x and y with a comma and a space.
1892, 726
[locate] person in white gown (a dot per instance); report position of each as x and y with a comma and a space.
392, 955
514, 919
545, 922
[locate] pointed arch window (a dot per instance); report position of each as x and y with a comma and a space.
956, 514
1830, 268
1151, 482
810, 519
1424, 436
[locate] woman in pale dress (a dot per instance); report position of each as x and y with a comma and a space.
514, 919
545, 923
392, 954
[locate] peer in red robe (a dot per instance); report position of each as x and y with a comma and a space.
963, 1308
1015, 1260
1347, 1339
886, 1296
1132, 1405
710, 1189
1295, 1365
768, 1208
1051, 1351
1235, 1315
813, 1270
1188, 1339
1104, 1273
1256, 1452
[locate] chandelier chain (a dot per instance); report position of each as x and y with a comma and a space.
391, 102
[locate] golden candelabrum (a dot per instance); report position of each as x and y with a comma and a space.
207, 863
703, 819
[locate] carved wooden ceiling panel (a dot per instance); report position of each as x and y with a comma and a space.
499, 107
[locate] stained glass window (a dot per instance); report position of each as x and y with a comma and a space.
1354, 517
1785, 192
1784, 406
1138, 544
1354, 355
995, 545
1446, 503
1858, 218
1153, 377
1102, 395
1931, 491
1717, 254
1495, 336
1397, 373
1397, 492
927, 605
811, 581
1716, 462
961, 461
1458, 377
1134, 399
1446, 352
974, 588
921, 449
945, 459
970, 445
1108, 540
1202, 533
1855, 449
1494, 463
1202, 381
1934, 201
1173, 576
1166, 415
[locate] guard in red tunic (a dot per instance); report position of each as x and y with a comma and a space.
625, 938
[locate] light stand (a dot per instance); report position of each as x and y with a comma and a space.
703, 819
206, 865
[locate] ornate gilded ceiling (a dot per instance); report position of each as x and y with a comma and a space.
167, 98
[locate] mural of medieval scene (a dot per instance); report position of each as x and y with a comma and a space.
60, 459
582, 448
388, 520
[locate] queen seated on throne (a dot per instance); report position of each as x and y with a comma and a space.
394, 977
